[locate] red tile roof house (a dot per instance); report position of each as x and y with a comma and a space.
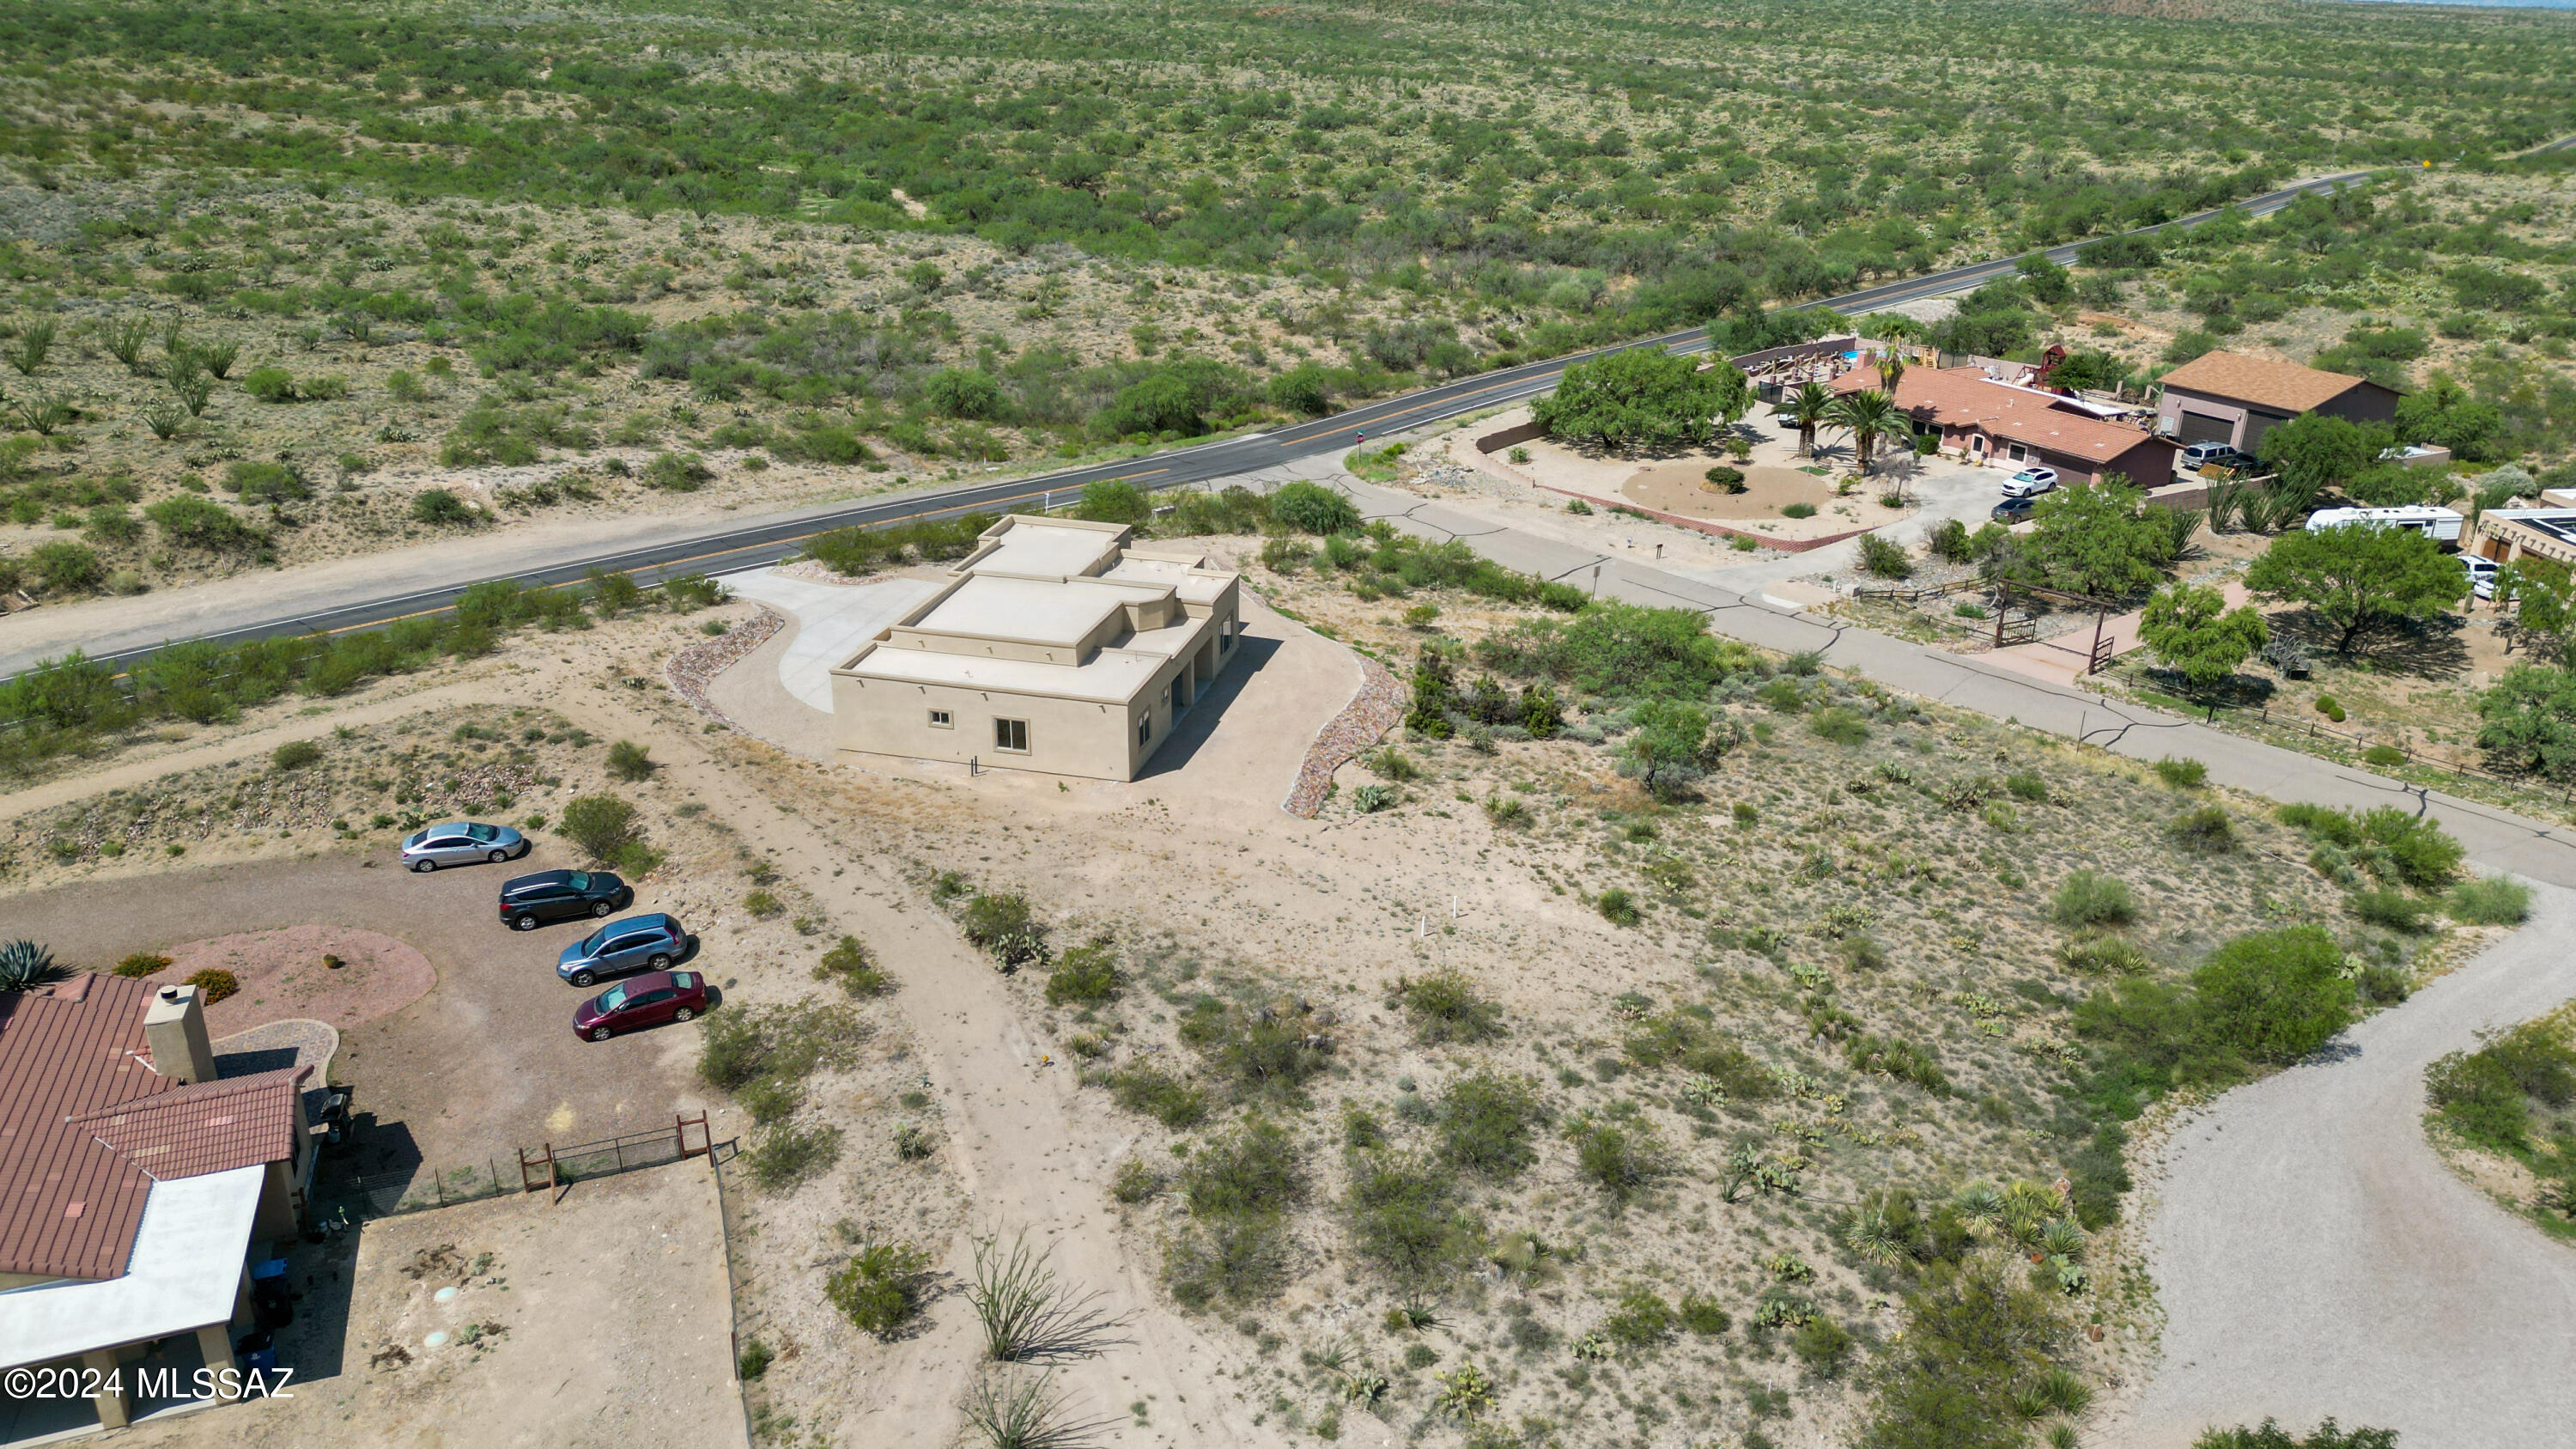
1980, 418
134, 1182
2228, 397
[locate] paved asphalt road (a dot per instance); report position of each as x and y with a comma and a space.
740, 546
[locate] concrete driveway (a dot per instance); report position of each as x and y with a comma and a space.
832, 621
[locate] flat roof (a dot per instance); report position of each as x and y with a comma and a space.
1048, 550
1031, 611
1111, 676
183, 1272
1132, 569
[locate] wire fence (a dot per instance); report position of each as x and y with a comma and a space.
342, 1200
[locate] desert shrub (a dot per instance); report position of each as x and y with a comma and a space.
1840, 725
1447, 1006
1642, 1319
2028, 786
1084, 976
784, 1154
1485, 1122
2386, 843
1882, 558
743, 1045
1159, 1095
1823, 1345
270, 384
193, 522
1313, 508
440, 506
1003, 927
2276, 996
1618, 906
1972, 1337
1680, 1038
677, 472
1256, 1169
215, 984
1949, 542
629, 761
753, 1361
2096, 1175
1405, 1219
2392, 910
294, 754
1134, 1182
853, 966
2150, 1037
2206, 830
1270, 1050
764, 906
1371, 799
2182, 774
1623, 1158
1286, 555
602, 825
2489, 901
63, 567
1703, 1316
2383, 757
1239, 1259
2090, 900
141, 963
880, 1288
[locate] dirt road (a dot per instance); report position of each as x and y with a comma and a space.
2316, 1258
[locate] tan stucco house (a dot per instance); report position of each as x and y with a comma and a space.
1055, 646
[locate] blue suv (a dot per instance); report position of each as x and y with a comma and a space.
622, 948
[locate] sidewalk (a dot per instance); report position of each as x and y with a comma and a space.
2496, 840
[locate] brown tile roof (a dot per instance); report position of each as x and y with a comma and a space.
2281, 386
205, 1126
69, 1202
1963, 397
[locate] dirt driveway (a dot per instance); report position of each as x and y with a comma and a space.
2316, 1258
602, 1319
485, 1062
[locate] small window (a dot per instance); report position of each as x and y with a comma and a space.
1011, 736
939, 720
1144, 729
1225, 633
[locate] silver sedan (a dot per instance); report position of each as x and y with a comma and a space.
461, 842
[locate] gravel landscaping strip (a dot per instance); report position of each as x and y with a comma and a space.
1374, 709
694, 668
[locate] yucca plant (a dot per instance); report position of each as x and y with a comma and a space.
25, 966
2062, 1238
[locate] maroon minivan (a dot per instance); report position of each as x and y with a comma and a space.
640, 1001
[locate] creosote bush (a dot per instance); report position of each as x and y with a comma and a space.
2091, 900
880, 1288
1447, 1006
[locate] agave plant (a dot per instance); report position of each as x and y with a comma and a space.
1872, 1235
1980, 1203
2062, 1238
24, 966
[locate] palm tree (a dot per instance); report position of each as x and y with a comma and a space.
1891, 371
24, 966
1807, 409
1870, 417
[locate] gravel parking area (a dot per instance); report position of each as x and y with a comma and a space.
486, 1060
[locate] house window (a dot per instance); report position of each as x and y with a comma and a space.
939, 720
1145, 729
1011, 736
2017, 452
1225, 637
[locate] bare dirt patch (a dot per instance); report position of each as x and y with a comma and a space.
599, 1318
289, 973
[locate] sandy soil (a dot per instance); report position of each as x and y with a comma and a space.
598, 1318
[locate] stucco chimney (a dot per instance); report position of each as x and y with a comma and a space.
174, 1029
